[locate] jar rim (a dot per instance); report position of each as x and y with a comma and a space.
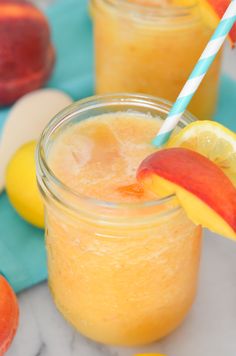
152, 10
139, 100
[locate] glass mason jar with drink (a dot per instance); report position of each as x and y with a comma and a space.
123, 264
151, 47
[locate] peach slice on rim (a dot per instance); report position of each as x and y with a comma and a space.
203, 190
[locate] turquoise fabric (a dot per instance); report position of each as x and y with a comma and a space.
22, 252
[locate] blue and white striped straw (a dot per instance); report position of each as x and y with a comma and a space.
197, 75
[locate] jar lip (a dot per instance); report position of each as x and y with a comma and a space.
80, 106
152, 9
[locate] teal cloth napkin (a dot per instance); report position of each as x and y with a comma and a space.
22, 252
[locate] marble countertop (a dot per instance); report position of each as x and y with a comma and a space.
209, 329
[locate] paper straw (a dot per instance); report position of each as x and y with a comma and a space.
197, 75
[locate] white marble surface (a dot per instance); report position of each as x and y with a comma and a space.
209, 329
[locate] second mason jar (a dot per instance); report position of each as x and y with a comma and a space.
143, 47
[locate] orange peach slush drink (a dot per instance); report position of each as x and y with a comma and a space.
151, 47
122, 264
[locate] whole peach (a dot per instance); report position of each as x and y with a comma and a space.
27, 55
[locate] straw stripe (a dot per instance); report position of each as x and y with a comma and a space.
197, 75
191, 86
224, 27
202, 67
213, 47
227, 14
180, 104
166, 129
162, 137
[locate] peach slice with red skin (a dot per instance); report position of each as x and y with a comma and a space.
9, 315
203, 190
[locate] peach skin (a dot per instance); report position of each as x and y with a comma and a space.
9, 315
27, 55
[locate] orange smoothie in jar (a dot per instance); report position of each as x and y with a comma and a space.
151, 46
122, 264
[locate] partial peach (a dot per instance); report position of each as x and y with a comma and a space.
9, 315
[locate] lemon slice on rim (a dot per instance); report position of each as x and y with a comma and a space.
213, 141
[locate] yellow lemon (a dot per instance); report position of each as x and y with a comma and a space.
21, 185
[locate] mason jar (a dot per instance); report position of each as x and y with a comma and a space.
141, 47
120, 273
